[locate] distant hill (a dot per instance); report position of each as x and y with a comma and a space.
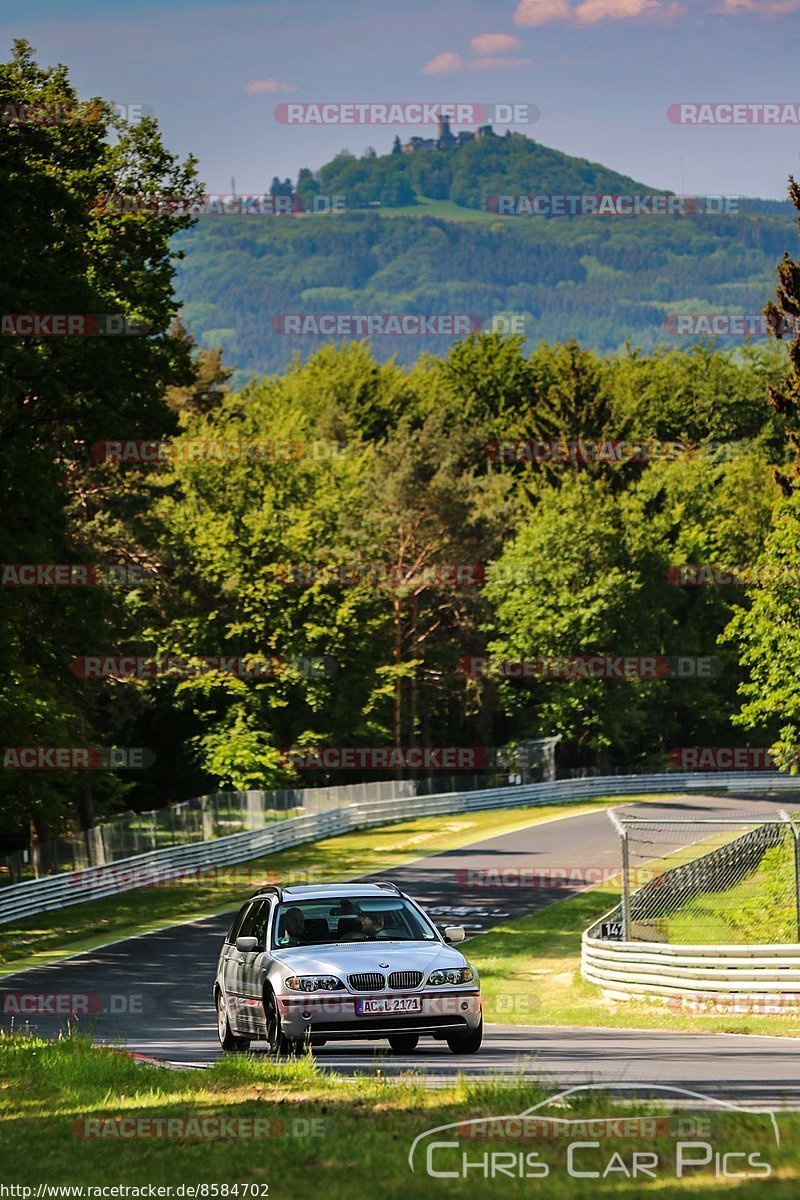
466, 174
429, 246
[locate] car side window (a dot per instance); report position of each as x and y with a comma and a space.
261, 921
255, 921
236, 927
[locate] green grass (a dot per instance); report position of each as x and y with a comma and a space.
361, 1132
759, 908
445, 209
51, 935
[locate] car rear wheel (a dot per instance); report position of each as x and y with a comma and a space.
279, 1043
227, 1038
404, 1043
469, 1044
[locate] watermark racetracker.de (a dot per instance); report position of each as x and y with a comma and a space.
759, 112
120, 574
244, 666
77, 758
25, 1005
610, 204
47, 325
593, 666
146, 451
409, 113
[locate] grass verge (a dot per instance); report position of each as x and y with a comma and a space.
49, 936
759, 908
74, 1114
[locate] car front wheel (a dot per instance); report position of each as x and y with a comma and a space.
227, 1039
467, 1044
279, 1043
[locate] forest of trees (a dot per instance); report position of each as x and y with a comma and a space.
605, 281
387, 464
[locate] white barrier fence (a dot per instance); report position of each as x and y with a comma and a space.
691, 973
157, 866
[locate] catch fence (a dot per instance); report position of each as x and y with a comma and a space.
722, 879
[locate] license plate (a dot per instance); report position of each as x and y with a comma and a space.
389, 1004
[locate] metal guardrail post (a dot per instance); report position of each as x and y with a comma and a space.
626, 895
796, 838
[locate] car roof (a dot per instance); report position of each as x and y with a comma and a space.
323, 891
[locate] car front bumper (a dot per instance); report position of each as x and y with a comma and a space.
336, 1015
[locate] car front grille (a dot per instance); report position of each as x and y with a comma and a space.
405, 979
370, 981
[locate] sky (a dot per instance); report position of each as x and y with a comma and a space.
603, 74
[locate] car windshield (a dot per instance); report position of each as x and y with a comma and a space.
349, 919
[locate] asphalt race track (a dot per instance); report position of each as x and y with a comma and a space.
152, 994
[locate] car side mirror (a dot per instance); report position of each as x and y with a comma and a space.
247, 945
454, 933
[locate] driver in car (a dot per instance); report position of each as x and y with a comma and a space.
294, 927
371, 923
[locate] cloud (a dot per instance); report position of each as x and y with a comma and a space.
490, 50
591, 11
766, 8
446, 63
256, 86
494, 43
497, 64
539, 12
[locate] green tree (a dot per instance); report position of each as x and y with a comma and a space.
64, 251
768, 633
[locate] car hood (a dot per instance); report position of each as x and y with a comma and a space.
368, 956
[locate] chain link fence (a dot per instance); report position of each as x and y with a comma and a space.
727, 879
208, 817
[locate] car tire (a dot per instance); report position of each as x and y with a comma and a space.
279, 1044
404, 1043
467, 1044
227, 1038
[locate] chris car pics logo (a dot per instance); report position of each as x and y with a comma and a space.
690, 1142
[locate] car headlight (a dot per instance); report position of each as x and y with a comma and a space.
459, 975
314, 983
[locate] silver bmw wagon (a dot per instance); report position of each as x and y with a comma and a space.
339, 962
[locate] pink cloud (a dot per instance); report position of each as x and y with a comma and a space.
767, 8
540, 12
256, 86
446, 63
494, 43
497, 64
591, 11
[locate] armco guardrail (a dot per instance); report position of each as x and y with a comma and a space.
694, 973
92, 883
